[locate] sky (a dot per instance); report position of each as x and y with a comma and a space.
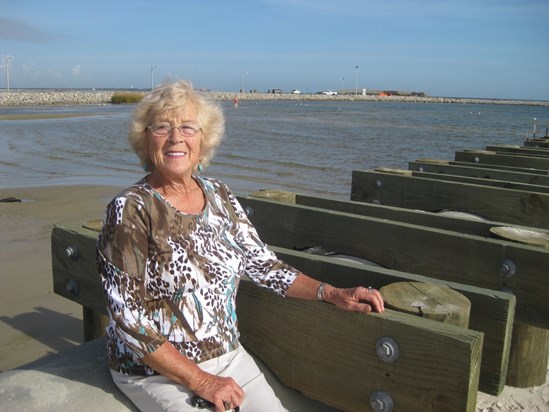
461, 48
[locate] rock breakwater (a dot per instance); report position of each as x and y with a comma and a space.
19, 98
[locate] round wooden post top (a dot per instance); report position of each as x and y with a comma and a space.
430, 301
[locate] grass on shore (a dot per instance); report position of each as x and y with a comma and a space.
126, 98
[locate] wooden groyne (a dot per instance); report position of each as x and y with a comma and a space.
476, 224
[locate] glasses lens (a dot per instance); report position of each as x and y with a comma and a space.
163, 129
160, 129
187, 131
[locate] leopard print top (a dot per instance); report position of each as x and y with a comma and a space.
169, 276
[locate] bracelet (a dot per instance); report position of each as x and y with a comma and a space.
320, 292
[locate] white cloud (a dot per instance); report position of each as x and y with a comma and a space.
76, 70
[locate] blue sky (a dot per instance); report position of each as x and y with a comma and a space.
462, 48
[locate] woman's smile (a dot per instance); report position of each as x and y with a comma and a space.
175, 153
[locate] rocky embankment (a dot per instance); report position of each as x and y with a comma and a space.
17, 98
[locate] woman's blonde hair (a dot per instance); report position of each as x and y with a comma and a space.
169, 98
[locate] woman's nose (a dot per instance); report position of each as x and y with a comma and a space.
175, 135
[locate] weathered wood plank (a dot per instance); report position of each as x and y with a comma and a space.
77, 278
499, 204
540, 143
491, 312
501, 167
489, 263
526, 187
303, 342
492, 158
518, 150
424, 165
331, 355
416, 217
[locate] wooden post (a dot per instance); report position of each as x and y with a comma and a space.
528, 356
428, 301
94, 324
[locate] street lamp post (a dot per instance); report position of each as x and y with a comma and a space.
8, 59
356, 80
242, 81
152, 75
342, 83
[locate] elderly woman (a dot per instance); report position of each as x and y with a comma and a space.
171, 254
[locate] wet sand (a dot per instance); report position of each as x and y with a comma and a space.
35, 322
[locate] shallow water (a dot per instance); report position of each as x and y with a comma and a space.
307, 147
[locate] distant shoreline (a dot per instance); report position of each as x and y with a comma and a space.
18, 98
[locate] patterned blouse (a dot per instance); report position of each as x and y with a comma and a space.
169, 276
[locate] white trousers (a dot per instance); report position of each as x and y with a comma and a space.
157, 393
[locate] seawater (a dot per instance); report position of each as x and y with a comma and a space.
306, 147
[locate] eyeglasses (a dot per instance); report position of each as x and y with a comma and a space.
164, 129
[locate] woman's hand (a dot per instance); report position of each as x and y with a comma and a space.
358, 299
169, 362
223, 392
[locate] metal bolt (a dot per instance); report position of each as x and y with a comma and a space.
249, 211
476, 159
381, 401
387, 349
507, 268
378, 184
72, 287
71, 252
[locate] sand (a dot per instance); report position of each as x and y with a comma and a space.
35, 322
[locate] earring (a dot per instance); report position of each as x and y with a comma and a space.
199, 168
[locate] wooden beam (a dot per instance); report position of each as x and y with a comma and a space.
499, 204
326, 353
492, 312
526, 187
444, 167
492, 158
75, 273
541, 143
518, 150
488, 263
416, 217
531, 170
331, 355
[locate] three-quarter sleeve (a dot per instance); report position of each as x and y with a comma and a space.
262, 265
122, 250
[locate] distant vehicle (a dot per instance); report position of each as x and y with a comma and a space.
296, 91
329, 93
278, 91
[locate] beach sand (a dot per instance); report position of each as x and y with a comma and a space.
35, 322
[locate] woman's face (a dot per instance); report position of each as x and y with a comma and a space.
175, 155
